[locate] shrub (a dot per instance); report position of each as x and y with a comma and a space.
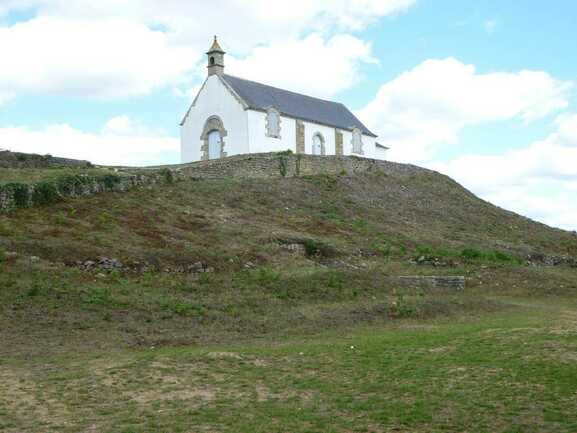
283, 165
110, 181
2, 255
314, 248
20, 192
168, 175
45, 193
401, 307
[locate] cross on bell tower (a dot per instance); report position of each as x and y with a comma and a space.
215, 59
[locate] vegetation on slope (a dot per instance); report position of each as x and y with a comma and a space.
247, 264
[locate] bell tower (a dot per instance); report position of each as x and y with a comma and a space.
215, 59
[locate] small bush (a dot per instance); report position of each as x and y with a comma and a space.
110, 181
336, 280
45, 193
283, 165
401, 307
168, 175
2, 255
314, 248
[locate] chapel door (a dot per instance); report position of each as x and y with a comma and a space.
214, 145
317, 145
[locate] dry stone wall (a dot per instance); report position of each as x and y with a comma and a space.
261, 165
29, 160
454, 283
281, 164
20, 195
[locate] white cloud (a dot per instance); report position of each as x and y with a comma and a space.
116, 48
120, 142
296, 64
490, 26
98, 59
428, 106
539, 180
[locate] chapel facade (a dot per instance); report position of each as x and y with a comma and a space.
232, 116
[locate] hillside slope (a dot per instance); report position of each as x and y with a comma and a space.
218, 259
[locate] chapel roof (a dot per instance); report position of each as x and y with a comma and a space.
262, 97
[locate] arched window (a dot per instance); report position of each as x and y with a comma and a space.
357, 141
273, 123
318, 144
212, 61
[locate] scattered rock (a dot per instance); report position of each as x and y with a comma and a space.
545, 260
101, 264
295, 248
431, 261
105, 264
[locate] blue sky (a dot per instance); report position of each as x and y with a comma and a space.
484, 92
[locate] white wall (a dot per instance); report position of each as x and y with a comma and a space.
215, 99
380, 153
259, 142
247, 128
327, 132
368, 145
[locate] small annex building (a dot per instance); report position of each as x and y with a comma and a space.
232, 116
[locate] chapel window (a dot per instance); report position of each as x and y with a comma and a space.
357, 141
273, 123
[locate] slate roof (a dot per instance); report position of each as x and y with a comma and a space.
261, 97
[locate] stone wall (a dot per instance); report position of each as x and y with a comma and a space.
456, 283
263, 165
29, 160
20, 195
260, 165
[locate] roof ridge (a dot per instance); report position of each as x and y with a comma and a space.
285, 90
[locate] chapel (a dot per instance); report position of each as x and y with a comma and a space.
232, 116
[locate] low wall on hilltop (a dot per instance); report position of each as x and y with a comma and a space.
260, 165
263, 165
20, 195
30, 160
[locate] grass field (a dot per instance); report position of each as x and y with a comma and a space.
300, 325
499, 372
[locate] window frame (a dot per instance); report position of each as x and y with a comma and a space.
357, 148
269, 128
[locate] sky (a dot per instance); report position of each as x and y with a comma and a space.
484, 92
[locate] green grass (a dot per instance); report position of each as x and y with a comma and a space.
513, 372
301, 272
32, 175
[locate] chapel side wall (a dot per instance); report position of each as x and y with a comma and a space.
215, 99
260, 142
368, 145
327, 132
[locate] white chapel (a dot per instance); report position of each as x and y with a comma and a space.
232, 116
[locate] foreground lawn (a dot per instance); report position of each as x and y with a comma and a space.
501, 372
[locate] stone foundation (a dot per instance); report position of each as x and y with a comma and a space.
262, 165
